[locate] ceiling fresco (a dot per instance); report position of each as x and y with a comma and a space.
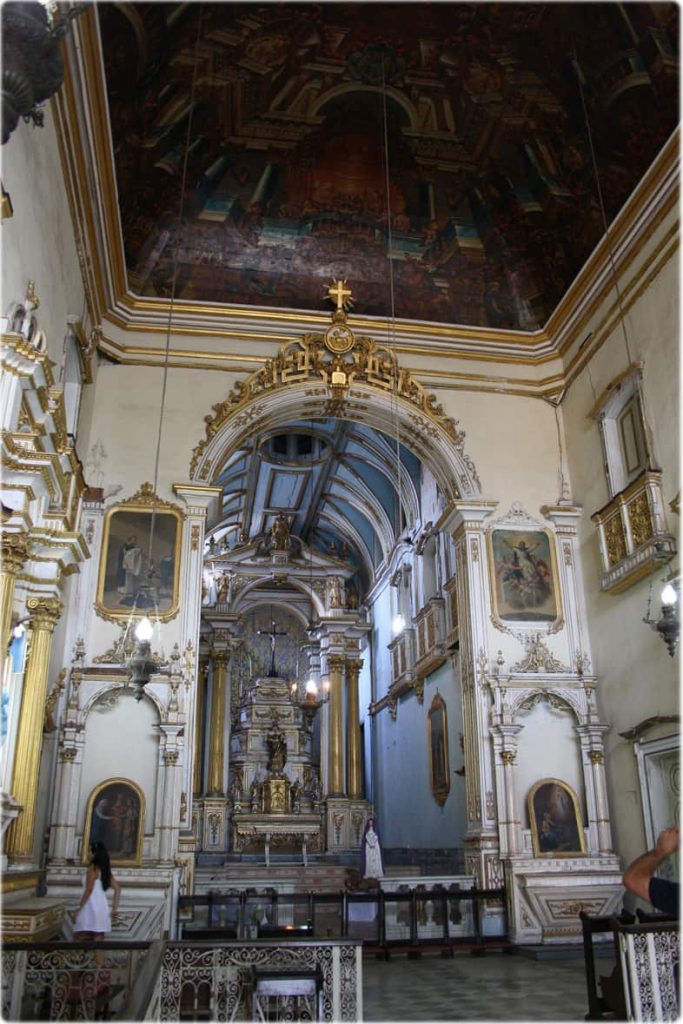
445, 141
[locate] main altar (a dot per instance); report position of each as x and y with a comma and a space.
274, 791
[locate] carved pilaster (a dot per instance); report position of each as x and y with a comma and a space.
353, 748
15, 552
335, 775
220, 658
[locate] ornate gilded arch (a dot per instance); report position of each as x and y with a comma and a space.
339, 374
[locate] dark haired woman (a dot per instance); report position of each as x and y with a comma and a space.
93, 919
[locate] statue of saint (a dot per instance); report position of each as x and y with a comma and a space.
277, 749
279, 533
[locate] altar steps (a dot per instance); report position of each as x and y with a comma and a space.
292, 877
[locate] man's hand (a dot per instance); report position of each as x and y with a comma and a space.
667, 841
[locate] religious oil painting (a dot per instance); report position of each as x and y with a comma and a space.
116, 817
524, 576
438, 750
137, 578
555, 818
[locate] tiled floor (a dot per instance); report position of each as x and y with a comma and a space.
495, 987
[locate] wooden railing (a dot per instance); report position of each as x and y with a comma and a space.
446, 916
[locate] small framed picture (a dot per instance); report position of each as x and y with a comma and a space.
138, 578
438, 750
555, 818
115, 816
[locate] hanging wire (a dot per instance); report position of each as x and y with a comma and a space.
167, 346
608, 238
392, 306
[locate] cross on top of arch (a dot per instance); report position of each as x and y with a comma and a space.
335, 362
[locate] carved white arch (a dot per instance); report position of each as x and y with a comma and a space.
424, 435
92, 699
245, 599
526, 700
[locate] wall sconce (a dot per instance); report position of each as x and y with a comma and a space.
141, 663
668, 625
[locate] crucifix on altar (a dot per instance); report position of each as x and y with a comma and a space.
273, 633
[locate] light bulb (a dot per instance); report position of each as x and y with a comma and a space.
311, 688
326, 685
398, 624
669, 595
144, 629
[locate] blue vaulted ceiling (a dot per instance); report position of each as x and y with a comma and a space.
337, 482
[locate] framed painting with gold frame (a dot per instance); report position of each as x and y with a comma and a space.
115, 816
439, 772
524, 579
555, 819
132, 580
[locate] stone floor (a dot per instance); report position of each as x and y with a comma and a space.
495, 987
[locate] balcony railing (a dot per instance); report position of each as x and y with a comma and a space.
76, 981
633, 533
430, 634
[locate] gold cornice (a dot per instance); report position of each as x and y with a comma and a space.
607, 326
659, 169
633, 252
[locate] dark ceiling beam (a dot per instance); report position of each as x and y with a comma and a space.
341, 430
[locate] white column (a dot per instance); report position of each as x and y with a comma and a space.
170, 768
566, 520
201, 503
593, 758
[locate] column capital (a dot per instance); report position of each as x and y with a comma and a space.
354, 665
220, 656
336, 662
16, 549
44, 612
463, 514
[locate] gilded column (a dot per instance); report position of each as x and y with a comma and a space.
335, 747
220, 659
44, 613
15, 551
199, 727
353, 749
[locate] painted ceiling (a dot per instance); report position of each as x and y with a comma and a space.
437, 154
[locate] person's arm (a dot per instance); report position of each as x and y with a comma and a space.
638, 874
117, 895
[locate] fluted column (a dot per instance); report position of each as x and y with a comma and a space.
15, 551
199, 727
335, 746
220, 659
44, 613
353, 748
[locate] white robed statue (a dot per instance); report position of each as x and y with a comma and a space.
371, 861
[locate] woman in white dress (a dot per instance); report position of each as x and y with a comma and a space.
93, 919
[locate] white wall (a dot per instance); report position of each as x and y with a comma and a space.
636, 677
121, 743
38, 240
